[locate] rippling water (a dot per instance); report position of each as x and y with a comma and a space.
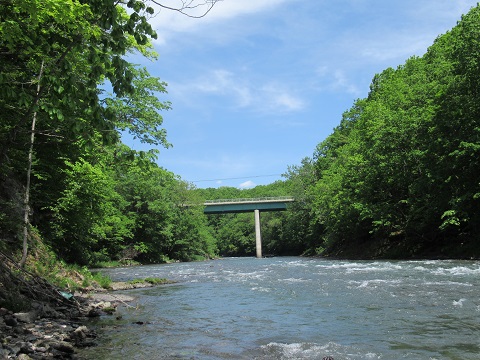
298, 308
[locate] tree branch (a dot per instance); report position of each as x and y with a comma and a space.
190, 5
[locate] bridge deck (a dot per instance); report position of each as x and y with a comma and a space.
247, 205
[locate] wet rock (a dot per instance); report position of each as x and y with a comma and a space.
82, 337
79, 335
63, 346
93, 312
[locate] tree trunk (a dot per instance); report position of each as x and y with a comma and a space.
26, 203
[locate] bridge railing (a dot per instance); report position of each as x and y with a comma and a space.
275, 198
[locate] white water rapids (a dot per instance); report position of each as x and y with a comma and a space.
297, 308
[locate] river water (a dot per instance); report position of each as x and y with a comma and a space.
297, 308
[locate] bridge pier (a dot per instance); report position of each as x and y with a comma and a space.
246, 206
258, 234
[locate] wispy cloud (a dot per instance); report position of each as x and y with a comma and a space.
247, 184
223, 82
166, 21
336, 80
269, 97
279, 98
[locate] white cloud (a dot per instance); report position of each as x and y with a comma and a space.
167, 21
267, 98
224, 82
278, 98
336, 80
341, 82
247, 184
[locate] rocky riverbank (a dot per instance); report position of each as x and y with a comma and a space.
41, 321
48, 331
52, 330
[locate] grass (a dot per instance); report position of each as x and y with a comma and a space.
151, 280
115, 263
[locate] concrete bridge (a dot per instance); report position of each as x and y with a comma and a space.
256, 205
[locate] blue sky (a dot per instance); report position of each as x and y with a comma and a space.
256, 85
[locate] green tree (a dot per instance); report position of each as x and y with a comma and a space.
89, 224
455, 138
398, 176
39, 42
301, 231
54, 54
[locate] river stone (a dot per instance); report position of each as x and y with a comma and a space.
26, 348
14, 348
99, 304
63, 346
93, 312
24, 357
10, 320
107, 304
41, 349
3, 353
47, 311
19, 330
79, 334
3, 311
26, 317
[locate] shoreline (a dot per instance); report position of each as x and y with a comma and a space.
57, 330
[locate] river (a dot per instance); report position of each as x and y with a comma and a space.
297, 308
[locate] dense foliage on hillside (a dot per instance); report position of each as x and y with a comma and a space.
399, 176
65, 176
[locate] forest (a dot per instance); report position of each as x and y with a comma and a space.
399, 177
